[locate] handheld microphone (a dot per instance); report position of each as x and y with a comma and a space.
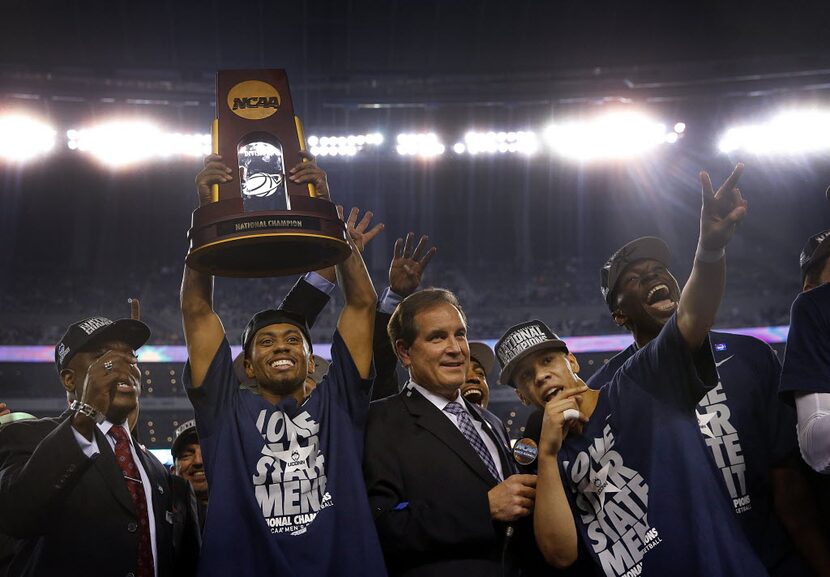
526, 449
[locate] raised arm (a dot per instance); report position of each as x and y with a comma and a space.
405, 273
357, 319
203, 331
701, 297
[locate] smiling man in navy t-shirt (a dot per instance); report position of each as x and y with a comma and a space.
625, 468
286, 487
749, 431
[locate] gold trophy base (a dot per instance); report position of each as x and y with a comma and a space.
266, 243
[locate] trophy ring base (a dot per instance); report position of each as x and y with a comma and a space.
269, 250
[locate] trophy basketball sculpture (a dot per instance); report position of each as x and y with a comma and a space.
262, 224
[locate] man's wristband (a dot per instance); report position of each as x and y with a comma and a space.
704, 255
88, 411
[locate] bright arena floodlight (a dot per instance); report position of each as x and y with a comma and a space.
119, 144
618, 135
788, 133
425, 145
521, 142
343, 145
24, 138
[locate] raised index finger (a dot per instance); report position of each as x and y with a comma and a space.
730, 182
706, 190
571, 392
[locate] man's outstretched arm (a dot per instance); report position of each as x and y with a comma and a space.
701, 297
357, 319
203, 331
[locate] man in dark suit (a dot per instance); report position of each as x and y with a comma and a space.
438, 468
79, 492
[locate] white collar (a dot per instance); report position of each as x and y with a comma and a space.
437, 400
105, 427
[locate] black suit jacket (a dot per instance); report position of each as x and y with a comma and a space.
428, 489
74, 515
308, 301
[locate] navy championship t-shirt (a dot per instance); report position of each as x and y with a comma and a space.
807, 358
286, 484
748, 431
646, 496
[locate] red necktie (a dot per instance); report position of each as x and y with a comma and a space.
132, 477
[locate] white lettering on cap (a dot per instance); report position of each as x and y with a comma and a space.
520, 341
89, 326
63, 350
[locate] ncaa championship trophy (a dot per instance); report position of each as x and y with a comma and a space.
260, 223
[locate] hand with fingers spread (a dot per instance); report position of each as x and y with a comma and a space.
307, 172
215, 171
722, 210
408, 264
562, 414
360, 232
513, 498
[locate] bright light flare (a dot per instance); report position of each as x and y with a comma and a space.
522, 142
789, 133
120, 144
342, 145
611, 136
24, 138
425, 145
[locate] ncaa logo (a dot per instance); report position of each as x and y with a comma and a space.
253, 100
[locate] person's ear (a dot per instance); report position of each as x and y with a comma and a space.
69, 383
573, 362
403, 353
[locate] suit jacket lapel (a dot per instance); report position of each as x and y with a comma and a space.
429, 417
156, 483
111, 472
161, 495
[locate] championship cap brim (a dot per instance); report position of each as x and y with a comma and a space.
814, 252
484, 355
186, 433
82, 334
646, 247
522, 340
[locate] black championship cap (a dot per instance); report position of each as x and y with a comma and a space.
814, 252
522, 340
273, 317
483, 354
185, 434
82, 333
638, 249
